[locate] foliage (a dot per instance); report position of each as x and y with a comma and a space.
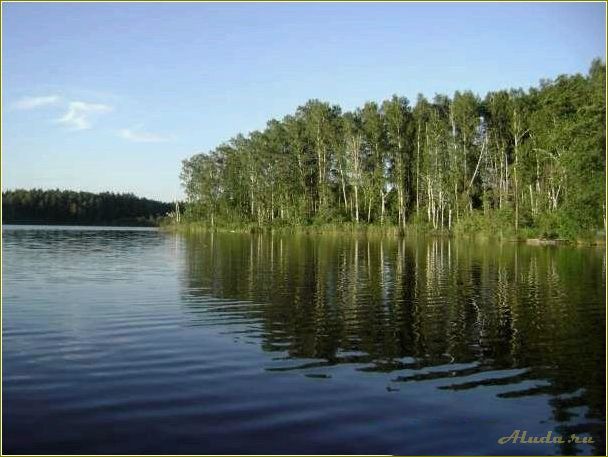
514, 163
38, 206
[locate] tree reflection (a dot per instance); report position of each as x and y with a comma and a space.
531, 319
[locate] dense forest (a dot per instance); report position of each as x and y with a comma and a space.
515, 162
68, 207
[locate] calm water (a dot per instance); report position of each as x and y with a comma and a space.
136, 341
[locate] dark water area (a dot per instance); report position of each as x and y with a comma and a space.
138, 341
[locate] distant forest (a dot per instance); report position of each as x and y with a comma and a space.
516, 162
80, 208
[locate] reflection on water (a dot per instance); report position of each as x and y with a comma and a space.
231, 343
527, 318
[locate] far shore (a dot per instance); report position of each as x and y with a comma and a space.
118, 223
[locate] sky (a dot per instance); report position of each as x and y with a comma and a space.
113, 96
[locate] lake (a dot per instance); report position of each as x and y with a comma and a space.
135, 341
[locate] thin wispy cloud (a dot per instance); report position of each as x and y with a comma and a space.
27, 103
79, 114
142, 137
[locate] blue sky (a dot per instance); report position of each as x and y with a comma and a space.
113, 96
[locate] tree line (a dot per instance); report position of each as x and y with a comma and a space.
69, 207
515, 161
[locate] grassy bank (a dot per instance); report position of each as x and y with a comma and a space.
529, 236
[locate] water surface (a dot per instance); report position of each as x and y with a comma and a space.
138, 341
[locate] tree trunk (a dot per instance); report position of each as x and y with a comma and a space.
417, 169
357, 203
515, 187
382, 198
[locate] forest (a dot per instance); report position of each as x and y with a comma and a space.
38, 206
513, 163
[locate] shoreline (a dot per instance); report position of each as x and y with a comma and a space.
377, 230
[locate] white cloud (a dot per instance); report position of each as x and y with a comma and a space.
27, 103
141, 137
78, 115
